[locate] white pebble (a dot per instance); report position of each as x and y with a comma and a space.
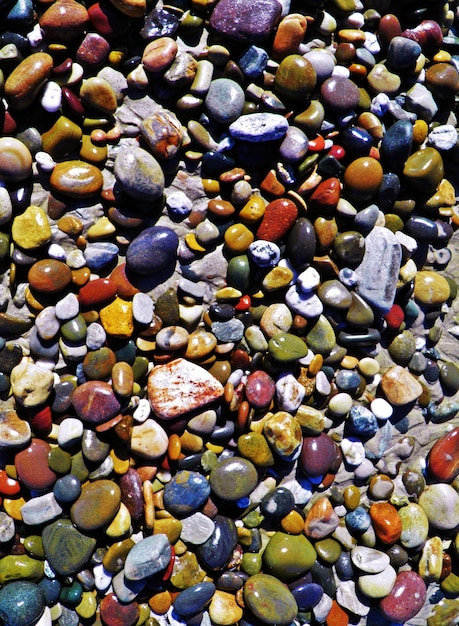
45, 161
45, 619
179, 203
443, 137
70, 432
264, 487
196, 528
76, 74
306, 304
102, 578
142, 412
322, 384
95, 336
355, 20
340, 70
353, 451
51, 98
380, 104
299, 492
381, 409
340, 404
289, 392
6, 206
142, 308
47, 323
35, 36
369, 560
322, 608
264, 253
75, 259
308, 280
138, 78
68, 307
55, 251
371, 43
235, 377
365, 470
348, 277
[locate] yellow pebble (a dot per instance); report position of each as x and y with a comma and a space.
116, 57
144, 345
160, 602
192, 243
120, 524
144, 613
244, 536
87, 606
349, 362
292, 523
170, 527
31, 229
442, 56
13, 507
117, 319
70, 225
253, 210
228, 293
149, 506
214, 448
238, 238
102, 229
315, 364
420, 130
174, 448
56, 612
351, 497
210, 185
190, 443
120, 461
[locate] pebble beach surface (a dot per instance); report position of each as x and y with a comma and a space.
228, 313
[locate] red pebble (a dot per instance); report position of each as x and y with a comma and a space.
131, 493
93, 50
317, 144
259, 389
427, 34
388, 28
326, 194
406, 598
124, 286
337, 151
8, 486
32, 466
42, 422
97, 292
443, 459
107, 21
115, 613
280, 215
244, 304
395, 317
386, 521
317, 455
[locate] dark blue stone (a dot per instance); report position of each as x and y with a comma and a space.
51, 589
159, 23
231, 581
194, 599
217, 551
329, 167
221, 312
253, 61
301, 243
21, 603
215, 163
365, 219
21, 15
362, 422
403, 52
396, 145
323, 575
307, 595
67, 488
388, 191
356, 141
230, 331
186, 492
42, 349
277, 503
347, 381
344, 567
100, 255
154, 250
421, 228
358, 520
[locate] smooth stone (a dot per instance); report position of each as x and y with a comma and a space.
369, 560
285, 347
443, 80
139, 174
75, 329
186, 492
97, 505
32, 466
430, 288
333, 293
194, 599
149, 440
340, 94
49, 276
76, 179
294, 146
396, 145
63, 138
20, 566
440, 503
159, 54
67, 488
378, 272
95, 402
269, 600
179, 387
216, 552
317, 455
363, 177
377, 585
386, 522
196, 528
64, 21
254, 447
40, 510
117, 319
406, 598
443, 458
14, 432
229, 331
288, 556
403, 52
283, 433
321, 338
15, 160
66, 549
224, 101
239, 22
301, 243
25, 81
259, 389
31, 385
424, 169
115, 613
259, 127
233, 478
147, 557
415, 526
279, 216
382, 81
295, 78
321, 520
153, 251
21, 603
96, 292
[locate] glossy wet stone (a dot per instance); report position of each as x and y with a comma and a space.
269, 600
406, 598
26, 80
233, 479
97, 505
32, 466
442, 461
295, 77
76, 179
147, 557
186, 493
95, 402
234, 20
21, 603
154, 250
288, 556
216, 552
139, 174
66, 549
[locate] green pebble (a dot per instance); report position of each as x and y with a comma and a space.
424, 169
450, 584
321, 338
75, 329
286, 348
415, 526
140, 368
33, 545
4, 246
393, 222
449, 376
251, 563
238, 273
72, 594
20, 567
444, 613
269, 600
167, 308
253, 519
59, 460
78, 467
328, 550
402, 347
209, 461
127, 353
254, 447
288, 556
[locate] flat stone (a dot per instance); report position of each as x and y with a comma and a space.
76, 179
238, 21
147, 557
269, 600
194, 599
196, 528
66, 548
179, 387
233, 478
97, 505
400, 387
41, 510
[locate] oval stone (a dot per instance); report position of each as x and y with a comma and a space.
21, 603
194, 599
233, 478
443, 459
76, 179
15, 159
285, 347
32, 466
295, 77
49, 276
406, 598
154, 250
66, 549
217, 551
95, 402
288, 556
186, 492
317, 455
139, 174
441, 505
424, 169
269, 600
97, 505
26, 80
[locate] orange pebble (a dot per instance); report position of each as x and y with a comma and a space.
271, 185
160, 603
386, 522
292, 523
289, 35
174, 448
337, 616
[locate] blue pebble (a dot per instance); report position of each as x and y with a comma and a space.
347, 381
396, 145
277, 503
403, 52
154, 250
307, 595
388, 191
186, 493
217, 551
51, 589
194, 599
100, 255
365, 219
356, 141
232, 330
253, 62
358, 521
67, 489
344, 567
362, 421
21, 14
21, 603
41, 348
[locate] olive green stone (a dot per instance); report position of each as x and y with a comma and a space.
238, 272
269, 600
66, 549
450, 584
360, 313
140, 367
321, 338
75, 329
98, 364
167, 308
430, 288
444, 613
288, 556
97, 505
449, 376
20, 567
116, 555
311, 118
295, 77
33, 545
254, 447
424, 169
79, 467
393, 222
349, 247
285, 347
251, 563
187, 571
64, 137
328, 550
311, 420
59, 460
333, 293
415, 526
402, 347
233, 478
4, 246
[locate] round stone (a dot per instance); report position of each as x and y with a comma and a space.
254, 447
233, 478
97, 505
285, 347
363, 177
440, 503
49, 276
340, 94
95, 402
443, 458
259, 389
386, 522
32, 466
76, 179
288, 556
139, 174
194, 599
405, 599
225, 100
317, 455
269, 600
67, 488
295, 77
153, 251
186, 493
15, 159
21, 603
430, 288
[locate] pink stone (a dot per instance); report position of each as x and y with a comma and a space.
406, 598
95, 402
32, 466
259, 389
317, 455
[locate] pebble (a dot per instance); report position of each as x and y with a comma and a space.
15, 160
224, 100
259, 127
406, 598
440, 502
154, 250
139, 174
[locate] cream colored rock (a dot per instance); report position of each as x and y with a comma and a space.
149, 440
31, 385
400, 386
224, 610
